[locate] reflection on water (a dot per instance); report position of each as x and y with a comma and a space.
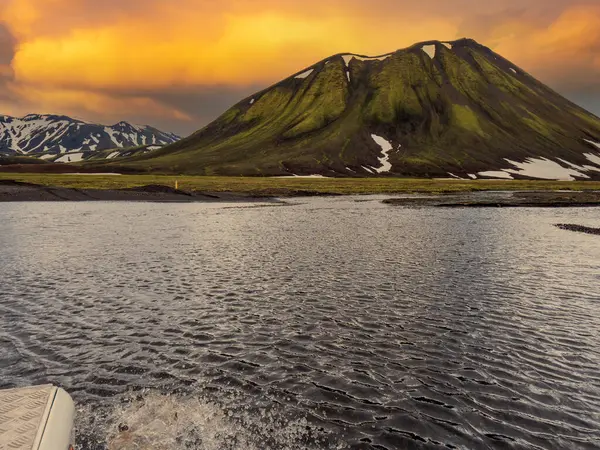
330, 323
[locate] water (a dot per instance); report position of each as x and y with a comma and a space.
330, 323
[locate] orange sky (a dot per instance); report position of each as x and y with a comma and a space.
176, 65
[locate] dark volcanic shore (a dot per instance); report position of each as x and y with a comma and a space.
13, 191
578, 228
522, 199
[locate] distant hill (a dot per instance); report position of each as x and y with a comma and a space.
59, 137
435, 109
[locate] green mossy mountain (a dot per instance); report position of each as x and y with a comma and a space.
443, 107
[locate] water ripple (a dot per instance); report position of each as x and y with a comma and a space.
330, 323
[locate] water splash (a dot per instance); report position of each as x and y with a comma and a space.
155, 421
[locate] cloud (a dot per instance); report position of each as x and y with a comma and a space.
7, 52
178, 67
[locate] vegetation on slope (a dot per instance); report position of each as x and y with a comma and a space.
464, 111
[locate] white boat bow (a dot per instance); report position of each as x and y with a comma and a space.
36, 418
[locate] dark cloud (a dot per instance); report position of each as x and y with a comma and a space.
198, 105
7, 45
7, 52
201, 103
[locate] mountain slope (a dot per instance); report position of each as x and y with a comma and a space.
435, 109
48, 135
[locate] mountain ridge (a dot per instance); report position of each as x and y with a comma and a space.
49, 135
434, 109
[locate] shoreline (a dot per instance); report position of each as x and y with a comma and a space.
18, 191
13, 191
516, 199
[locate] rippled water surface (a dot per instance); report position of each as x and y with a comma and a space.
328, 323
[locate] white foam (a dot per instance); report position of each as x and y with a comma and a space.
70, 158
496, 174
159, 422
305, 74
113, 155
430, 50
386, 148
545, 169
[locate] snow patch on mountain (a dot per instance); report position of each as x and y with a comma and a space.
430, 50
496, 174
349, 57
545, 169
596, 144
595, 159
386, 148
70, 157
305, 74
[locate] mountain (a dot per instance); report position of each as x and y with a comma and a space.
48, 137
435, 109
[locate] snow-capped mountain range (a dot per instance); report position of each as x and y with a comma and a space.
49, 135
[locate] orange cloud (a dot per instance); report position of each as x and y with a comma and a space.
565, 53
249, 48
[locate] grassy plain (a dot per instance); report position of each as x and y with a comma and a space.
294, 186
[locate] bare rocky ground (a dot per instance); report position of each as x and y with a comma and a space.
547, 199
578, 228
13, 191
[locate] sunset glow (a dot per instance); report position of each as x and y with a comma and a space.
153, 62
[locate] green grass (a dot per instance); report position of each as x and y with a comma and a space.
288, 186
466, 118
